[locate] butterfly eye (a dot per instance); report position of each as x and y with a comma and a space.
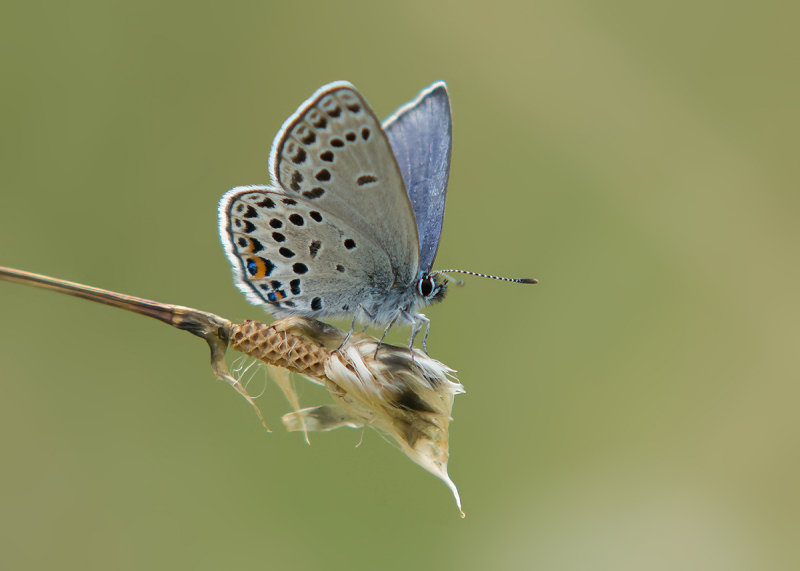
426, 286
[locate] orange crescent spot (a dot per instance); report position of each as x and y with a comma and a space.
260, 268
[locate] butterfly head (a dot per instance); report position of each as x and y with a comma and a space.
430, 288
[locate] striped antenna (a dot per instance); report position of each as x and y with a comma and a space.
502, 279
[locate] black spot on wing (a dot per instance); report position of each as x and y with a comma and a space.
300, 157
297, 178
244, 225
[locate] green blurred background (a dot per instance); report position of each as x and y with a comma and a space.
636, 410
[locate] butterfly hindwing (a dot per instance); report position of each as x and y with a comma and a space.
298, 259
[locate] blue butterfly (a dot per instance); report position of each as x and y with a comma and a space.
351, 222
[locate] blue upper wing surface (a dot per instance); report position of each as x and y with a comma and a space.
421, 134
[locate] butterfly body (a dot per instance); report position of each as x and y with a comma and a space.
351, 222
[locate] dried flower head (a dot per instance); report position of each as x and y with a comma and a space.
403, 393
406, 395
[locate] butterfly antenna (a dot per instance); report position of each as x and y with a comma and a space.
502, 279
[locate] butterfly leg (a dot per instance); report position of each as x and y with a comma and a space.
397, 315
349, 333
353, 325
419, 321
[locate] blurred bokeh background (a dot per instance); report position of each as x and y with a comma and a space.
636, 410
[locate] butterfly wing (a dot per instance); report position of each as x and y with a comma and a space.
333, 154
299, 259
421, 133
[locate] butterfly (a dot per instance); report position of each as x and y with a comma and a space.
351, 222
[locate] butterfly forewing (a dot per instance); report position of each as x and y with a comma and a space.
421, 134
295, 257
333, 155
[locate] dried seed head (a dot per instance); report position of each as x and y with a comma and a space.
404, 394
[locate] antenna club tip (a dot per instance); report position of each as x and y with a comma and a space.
528, 281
